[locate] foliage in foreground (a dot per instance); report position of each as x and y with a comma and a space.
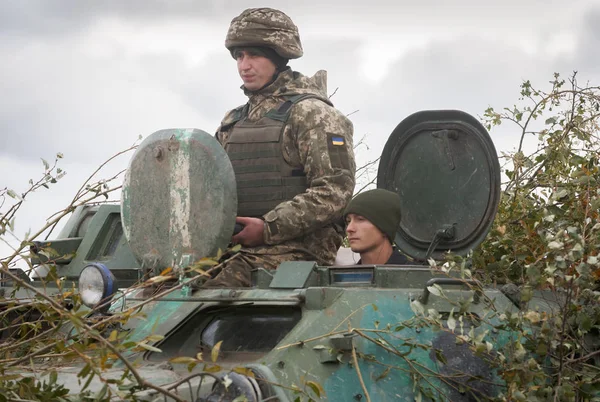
546, 239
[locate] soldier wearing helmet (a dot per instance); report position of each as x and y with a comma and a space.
291, 151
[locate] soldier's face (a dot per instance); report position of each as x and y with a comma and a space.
256, 71
363, 236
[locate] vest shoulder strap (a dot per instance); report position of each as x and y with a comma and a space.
234, 116
282, 113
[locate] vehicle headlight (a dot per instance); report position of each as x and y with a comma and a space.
96, 284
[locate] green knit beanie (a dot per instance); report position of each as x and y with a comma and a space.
381, 207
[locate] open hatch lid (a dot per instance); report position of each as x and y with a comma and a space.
444, 166
179, 198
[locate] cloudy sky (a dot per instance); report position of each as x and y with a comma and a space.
86, 78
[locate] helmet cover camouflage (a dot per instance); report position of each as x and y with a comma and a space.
265, 27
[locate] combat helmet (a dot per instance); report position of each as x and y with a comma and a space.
265, 27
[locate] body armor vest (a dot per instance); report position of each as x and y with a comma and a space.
264, 179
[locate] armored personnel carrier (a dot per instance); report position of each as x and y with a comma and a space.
301, 332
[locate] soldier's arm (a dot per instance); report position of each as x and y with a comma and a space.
321, 139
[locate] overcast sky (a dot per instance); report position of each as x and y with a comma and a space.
86, 78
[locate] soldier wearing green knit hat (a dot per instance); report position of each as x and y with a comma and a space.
372, 220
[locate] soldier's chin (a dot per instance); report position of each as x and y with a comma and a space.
251, 85
356, 249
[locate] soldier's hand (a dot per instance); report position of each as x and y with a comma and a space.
253, 233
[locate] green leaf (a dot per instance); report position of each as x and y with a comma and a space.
149, 347
53, 377
183, 360
595, 204
417, 307
244, 371
84, 371
439, 355
435, 290
158, 279
555, 245
584, 180
113, 336
212, 369
451, 321
316, 388
88, 382
155, 338
12, 194
214, 353
46, 164
561, 194
10, 377
101, 393
585, 322
206, 262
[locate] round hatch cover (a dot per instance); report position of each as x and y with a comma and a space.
444, 166
179, 198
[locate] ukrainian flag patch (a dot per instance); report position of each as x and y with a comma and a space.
337, 140
338, 153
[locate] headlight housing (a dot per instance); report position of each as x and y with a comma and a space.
96, 285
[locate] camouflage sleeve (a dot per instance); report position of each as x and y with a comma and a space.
319, 138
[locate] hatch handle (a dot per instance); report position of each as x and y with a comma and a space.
448, 232
424, 298
445, 136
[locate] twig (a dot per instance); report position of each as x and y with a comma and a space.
366, 185
316, 338
358, 373
77, 194
367, 165
59, 309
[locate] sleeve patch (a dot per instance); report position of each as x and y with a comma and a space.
338, 153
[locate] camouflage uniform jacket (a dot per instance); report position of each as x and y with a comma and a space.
308, 226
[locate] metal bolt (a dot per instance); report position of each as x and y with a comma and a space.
358, 397
418, 330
